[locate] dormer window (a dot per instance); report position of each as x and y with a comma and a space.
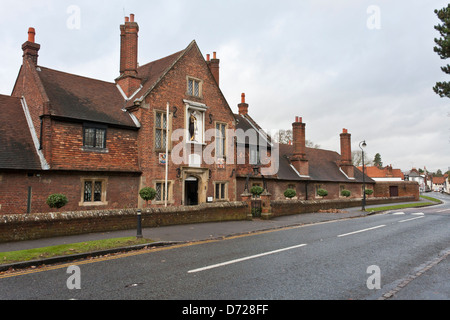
194, 87
94, 136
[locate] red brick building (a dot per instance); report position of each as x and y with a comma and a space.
99, 142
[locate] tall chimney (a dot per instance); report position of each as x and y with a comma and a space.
128, 79
243, 107
30, 48
346, 163
214, 67
299, 160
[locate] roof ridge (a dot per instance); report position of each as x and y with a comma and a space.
76, 75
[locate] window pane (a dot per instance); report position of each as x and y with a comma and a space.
191, 87
222, 187
98, 191
158, 139
100, 138
218, 191
164, 116
159, 192
196, 88
89, 137
158, 120
164, 139
87, 191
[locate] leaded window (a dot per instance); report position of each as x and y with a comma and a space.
94, 137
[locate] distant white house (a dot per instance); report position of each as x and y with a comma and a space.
415, 175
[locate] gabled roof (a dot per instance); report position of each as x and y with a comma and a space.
246, 123
17, 149
323, 166
76, 97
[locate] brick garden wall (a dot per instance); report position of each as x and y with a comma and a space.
291, 207
46, 225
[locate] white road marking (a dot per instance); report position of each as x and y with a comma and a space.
418, 214
411, 219
443, 210
398, 213
364, 230
244, 259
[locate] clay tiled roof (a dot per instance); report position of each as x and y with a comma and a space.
387, 172
82, 98
438, 180
17, 150
323, 166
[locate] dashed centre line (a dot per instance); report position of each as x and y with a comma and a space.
359, 231
245, 259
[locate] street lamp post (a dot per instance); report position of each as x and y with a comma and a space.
362, 145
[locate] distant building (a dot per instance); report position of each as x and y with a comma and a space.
384, 174
415, 175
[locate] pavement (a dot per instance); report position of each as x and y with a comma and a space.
169, 235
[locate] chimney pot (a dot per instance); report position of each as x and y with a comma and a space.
214, 55
31, 35
127, 19
345, 131
243, 107
132, 17
208, 57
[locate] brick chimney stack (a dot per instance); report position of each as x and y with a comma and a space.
128, 79
299, 160
346, 163
30, 48
243, 107
214, 66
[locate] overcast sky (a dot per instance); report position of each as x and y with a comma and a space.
367, 66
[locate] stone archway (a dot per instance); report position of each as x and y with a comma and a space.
194, 185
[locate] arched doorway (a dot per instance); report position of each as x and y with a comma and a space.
191, 191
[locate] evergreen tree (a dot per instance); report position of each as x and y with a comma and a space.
443, 49
377, 161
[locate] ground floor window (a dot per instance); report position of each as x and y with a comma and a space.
160, 187
221, 190
93, 191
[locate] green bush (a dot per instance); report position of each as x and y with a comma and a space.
147, 194
290, 193
256, 190
322, 192
345, 193
369, 192
57, 201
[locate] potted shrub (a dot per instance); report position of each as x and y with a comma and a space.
290, 193
369, 192
147, 194
57, 201
322, 192
345, 193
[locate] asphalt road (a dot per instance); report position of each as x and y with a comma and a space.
404, 252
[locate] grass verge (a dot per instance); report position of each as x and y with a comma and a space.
408, 205
431, 199
401, 206
69, 249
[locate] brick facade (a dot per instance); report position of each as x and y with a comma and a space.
100, 142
